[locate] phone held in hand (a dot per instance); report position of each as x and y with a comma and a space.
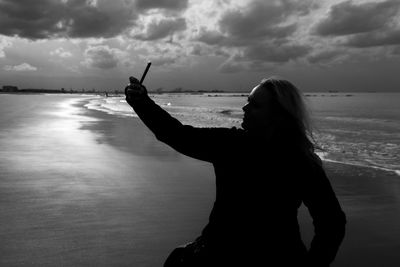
133, 80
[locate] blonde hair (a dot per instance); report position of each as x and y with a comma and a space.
290, 100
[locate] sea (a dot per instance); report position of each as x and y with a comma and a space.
361, 129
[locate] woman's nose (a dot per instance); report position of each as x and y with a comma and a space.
244, 108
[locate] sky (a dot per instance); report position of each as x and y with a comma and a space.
230, 45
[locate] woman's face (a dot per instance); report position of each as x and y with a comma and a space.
257, 111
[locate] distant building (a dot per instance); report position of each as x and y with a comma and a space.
9, 88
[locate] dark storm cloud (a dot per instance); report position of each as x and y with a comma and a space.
160, 29
30, 19
172, 5
262, 20
256, 23
42, 19
108, 19
261, 33
349, 18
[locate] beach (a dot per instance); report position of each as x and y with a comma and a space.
80, 187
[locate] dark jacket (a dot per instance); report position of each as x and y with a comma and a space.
260, 184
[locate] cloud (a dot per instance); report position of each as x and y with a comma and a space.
201, 50
21, 67
3, 44
349, 18
161, 29
396, 51
163, 60
61, 53
275, 53
261, 57
363, 25
262, 20
231, 66
377, 38
198, 50
327, 56
210, 37
102, 57
258, 34
41, 19
171, 5
255, 22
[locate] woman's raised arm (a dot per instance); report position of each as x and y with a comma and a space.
201, 143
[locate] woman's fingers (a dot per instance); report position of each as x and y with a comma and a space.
134, 89
133, 80
132, 86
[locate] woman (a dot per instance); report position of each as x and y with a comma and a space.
264, 172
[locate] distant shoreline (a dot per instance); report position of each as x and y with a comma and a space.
198, 92
205, 93
33, 92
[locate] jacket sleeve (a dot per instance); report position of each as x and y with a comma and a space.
201, 143
328, 218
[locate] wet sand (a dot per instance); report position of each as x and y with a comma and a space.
371, 201
83, 188
68, 198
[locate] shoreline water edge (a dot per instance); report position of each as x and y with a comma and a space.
345, 146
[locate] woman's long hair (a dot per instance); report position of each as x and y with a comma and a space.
290, 105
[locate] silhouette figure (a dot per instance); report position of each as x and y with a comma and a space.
264, 172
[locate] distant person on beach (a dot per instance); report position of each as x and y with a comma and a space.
264, 172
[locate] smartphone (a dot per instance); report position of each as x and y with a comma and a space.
143, 76
145, 72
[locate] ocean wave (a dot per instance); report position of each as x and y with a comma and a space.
360, 120
193, 115
325, 157
359, 131
221, 110
111, 107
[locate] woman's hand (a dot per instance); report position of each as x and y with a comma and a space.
134, 91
